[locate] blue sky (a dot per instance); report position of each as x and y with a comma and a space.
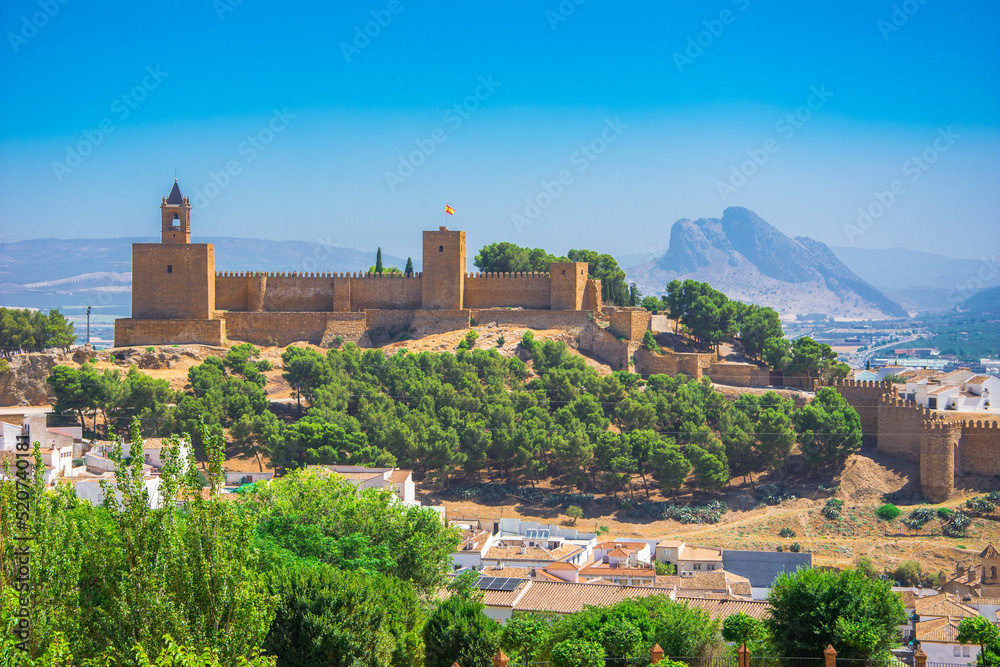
645, 114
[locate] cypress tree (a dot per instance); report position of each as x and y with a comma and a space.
409, 267
378, 260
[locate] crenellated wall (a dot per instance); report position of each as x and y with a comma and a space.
385, 292
533, 319
945, 444
498, 290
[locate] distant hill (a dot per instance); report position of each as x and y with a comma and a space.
72, 274
919, 281
751, 260
984, 302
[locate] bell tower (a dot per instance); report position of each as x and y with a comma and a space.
175, 217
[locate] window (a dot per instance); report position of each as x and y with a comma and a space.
932, 402
993, 572
564, 272
170, 268
958, 651
440, 248
697, 566
965, 651
711, 567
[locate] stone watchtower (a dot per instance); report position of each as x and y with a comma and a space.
173, 284
443, 275
175, 217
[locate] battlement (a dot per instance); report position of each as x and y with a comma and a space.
863, 384
313, 274
531, 274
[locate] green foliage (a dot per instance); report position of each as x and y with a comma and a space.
505, 257
759, 325
524, 636
829, 428
322, 517
33, 329
469, 341
944, 512
957, 524
795, 547
978, 630
888, 512
708, 314
895, 379
501, 340
458, 631
909, 573
632, 626
150, 349
831, 510
786, 532
528, 340
578, 653
4, 367
574, 512
772, 494
333, 617
741, 628
804, 357
614, 288
409, 266
665, 569
813, 608
649, 342
981, 504
919, 517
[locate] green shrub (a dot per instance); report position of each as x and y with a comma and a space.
980, 504
772, 494
649, 342
786, 532
795, 547
578, 653
944, 513
4, 367
888, 512
919, 518
150, 349
957, 526
501, 340
528, 340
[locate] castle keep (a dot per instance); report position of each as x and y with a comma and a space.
178, 297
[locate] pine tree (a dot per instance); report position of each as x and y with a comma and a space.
378, 260
409, 267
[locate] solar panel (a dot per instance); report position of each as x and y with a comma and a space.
543, 534
497, 584
531, 534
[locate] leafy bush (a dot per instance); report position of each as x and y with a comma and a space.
795, 547
710, 512
908, 573
786, 532
888, 512
919, 517
944, 513
649, 342
957, 526
528, 340
574, 512
501, 340
4, 367
980, 504
79, 462
578, 653
772, 494
831, 510
150, 349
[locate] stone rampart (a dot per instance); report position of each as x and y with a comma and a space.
533, 319
132, 332
737, 374
865, 396
436, 321
276, 328
384, 325
386, 291
939, 442
351, 327
899, 427
630, 324
607, 347
692, 364
496, 290
980, 447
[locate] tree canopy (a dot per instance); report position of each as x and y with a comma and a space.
33, 329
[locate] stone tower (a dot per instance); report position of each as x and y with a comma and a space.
173, 279
443, 275
175, 217
990, 558
569, 281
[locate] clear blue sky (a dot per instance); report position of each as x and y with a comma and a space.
199, 79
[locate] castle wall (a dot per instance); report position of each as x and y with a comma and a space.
298, 294
383, 325
533, 319
132, 332
865, 397
606, 346
899, 427
440, 320
630, 324
692, 364
173, 281
351, 327
738, 374
980, 447
230, 292
276, 328
385, 292
494, 290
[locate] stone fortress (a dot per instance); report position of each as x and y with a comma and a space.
949, 446
178, 297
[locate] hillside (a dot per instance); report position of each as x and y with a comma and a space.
986, 302
749, 259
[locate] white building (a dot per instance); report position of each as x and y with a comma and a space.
688, 559
397, 480
938, 638
88, 487
959, 390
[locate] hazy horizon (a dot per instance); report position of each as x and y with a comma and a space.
623, 118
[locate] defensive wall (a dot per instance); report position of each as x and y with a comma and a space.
947, 445
178, 297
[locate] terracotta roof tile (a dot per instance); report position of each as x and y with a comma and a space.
938, 630
945, 606
990, 553
567, 598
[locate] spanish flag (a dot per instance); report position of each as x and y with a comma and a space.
449, 210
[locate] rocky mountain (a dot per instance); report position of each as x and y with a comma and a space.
749, 259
